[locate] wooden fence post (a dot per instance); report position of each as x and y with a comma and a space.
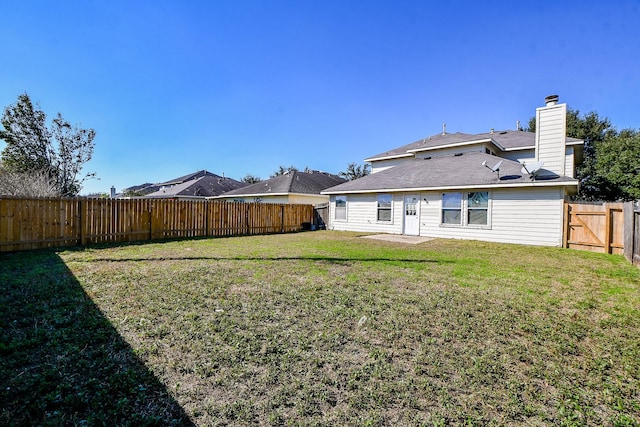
246, 219
150, 209
629, 228
636, 236
207, 204
82, 220
607, 229
567, 221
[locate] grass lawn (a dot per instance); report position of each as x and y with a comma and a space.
318, 328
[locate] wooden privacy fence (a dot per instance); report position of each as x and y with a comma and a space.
39, 223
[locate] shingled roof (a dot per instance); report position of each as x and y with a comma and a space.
449, 172
197, 184
505, 140
293, 182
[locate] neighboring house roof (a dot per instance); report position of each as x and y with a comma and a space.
197, 184
188, 177
290, 183
141, 189
449, 172
506, 140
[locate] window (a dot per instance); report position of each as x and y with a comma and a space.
341, 208
466, 209
452, 208
477, 208
384, 207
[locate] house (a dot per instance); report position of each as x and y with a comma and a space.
291, 187
500, 186
196, 185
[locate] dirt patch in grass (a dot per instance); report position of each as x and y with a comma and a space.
325, 328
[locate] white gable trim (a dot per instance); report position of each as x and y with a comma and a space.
394, 156
578, 142
529, 147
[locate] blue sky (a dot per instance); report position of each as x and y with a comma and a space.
239, 87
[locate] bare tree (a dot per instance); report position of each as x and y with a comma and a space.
23, 184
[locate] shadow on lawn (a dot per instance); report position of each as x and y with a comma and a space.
61, 360
274, 259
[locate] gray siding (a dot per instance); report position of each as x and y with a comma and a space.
362, 215
532, 216
569, 162
519, 156
449, 151
380, 165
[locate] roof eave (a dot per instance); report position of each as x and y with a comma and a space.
461, 187
395, 156
529, 147
456, 144
226, 195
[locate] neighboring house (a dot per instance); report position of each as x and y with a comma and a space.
138, 190
506, 186
196, 185
291, 187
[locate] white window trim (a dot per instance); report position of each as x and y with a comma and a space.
379, 221
465, 211
346, 208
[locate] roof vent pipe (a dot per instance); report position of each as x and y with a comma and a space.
518, 125
444, 128
551, 100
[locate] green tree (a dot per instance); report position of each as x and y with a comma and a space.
592, 130
282, 170
60, 152
355, 171
98, 196
251, 179
617, 165
134, 193
27, 137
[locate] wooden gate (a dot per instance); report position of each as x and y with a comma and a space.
594, 227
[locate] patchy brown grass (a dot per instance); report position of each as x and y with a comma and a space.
326, 328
